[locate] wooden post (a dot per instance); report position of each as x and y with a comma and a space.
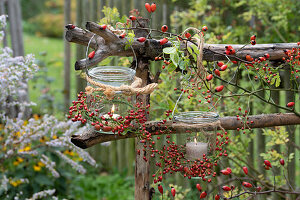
16, 31
67, 57
142, 168
80, 50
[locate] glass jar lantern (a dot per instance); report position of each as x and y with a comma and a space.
198, 142
119, 104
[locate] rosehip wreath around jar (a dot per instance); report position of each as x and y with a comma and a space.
196, 152
110, 111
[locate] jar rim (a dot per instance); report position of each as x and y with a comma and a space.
196, 117
112, 73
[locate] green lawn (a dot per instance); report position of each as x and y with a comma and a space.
51, 52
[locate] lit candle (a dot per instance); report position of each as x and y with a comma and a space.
195, 150
114, 116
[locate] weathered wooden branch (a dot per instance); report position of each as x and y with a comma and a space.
108, 44
91, 137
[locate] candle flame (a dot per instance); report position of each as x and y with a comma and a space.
112, 109
195, 140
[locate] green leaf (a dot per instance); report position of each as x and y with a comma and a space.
278, 81
171, 67
272, 81
195, 48
43, 180
106, 61
182, 64
175, 59
169, 50
190, 50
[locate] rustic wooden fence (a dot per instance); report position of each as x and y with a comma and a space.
120, 154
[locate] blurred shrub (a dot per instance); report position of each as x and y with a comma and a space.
47, 19
35, 154
103, 187
35, 7
48, 24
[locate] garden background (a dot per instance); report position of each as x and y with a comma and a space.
229, 22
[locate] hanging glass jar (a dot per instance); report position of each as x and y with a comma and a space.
198, 141
110, 107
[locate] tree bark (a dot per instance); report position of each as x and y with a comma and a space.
113, 46
91, 137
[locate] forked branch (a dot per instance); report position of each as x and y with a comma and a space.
106, 44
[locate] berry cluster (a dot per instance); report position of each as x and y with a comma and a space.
87, 110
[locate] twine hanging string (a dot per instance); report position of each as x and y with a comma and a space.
127, 90
110, 91
201, 70
196, 127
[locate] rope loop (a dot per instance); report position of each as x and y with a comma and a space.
110, 91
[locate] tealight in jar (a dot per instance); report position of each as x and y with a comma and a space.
117, 105
198, 132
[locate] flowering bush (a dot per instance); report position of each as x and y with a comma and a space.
34, 151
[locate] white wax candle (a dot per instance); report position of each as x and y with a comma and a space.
195, 150
114, 116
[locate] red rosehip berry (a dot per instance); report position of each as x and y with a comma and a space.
160, 189
103, 27
163, 41
258, 189
245, 169
226, 188
209, 77
281, 162
141, 39
187, 35
203, 195
97, 127
220, 64
253, 42
70, 26
223, 68
217, 197
122, 35
204, 28
219, 88
173, 191
225, 172
132, 18
91, 55
148, 7
267, 56
198, 186
217, 72
246, 184
164, 28
268, 163
290, 104
249, 58
107, 128
153, 7
253, 37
